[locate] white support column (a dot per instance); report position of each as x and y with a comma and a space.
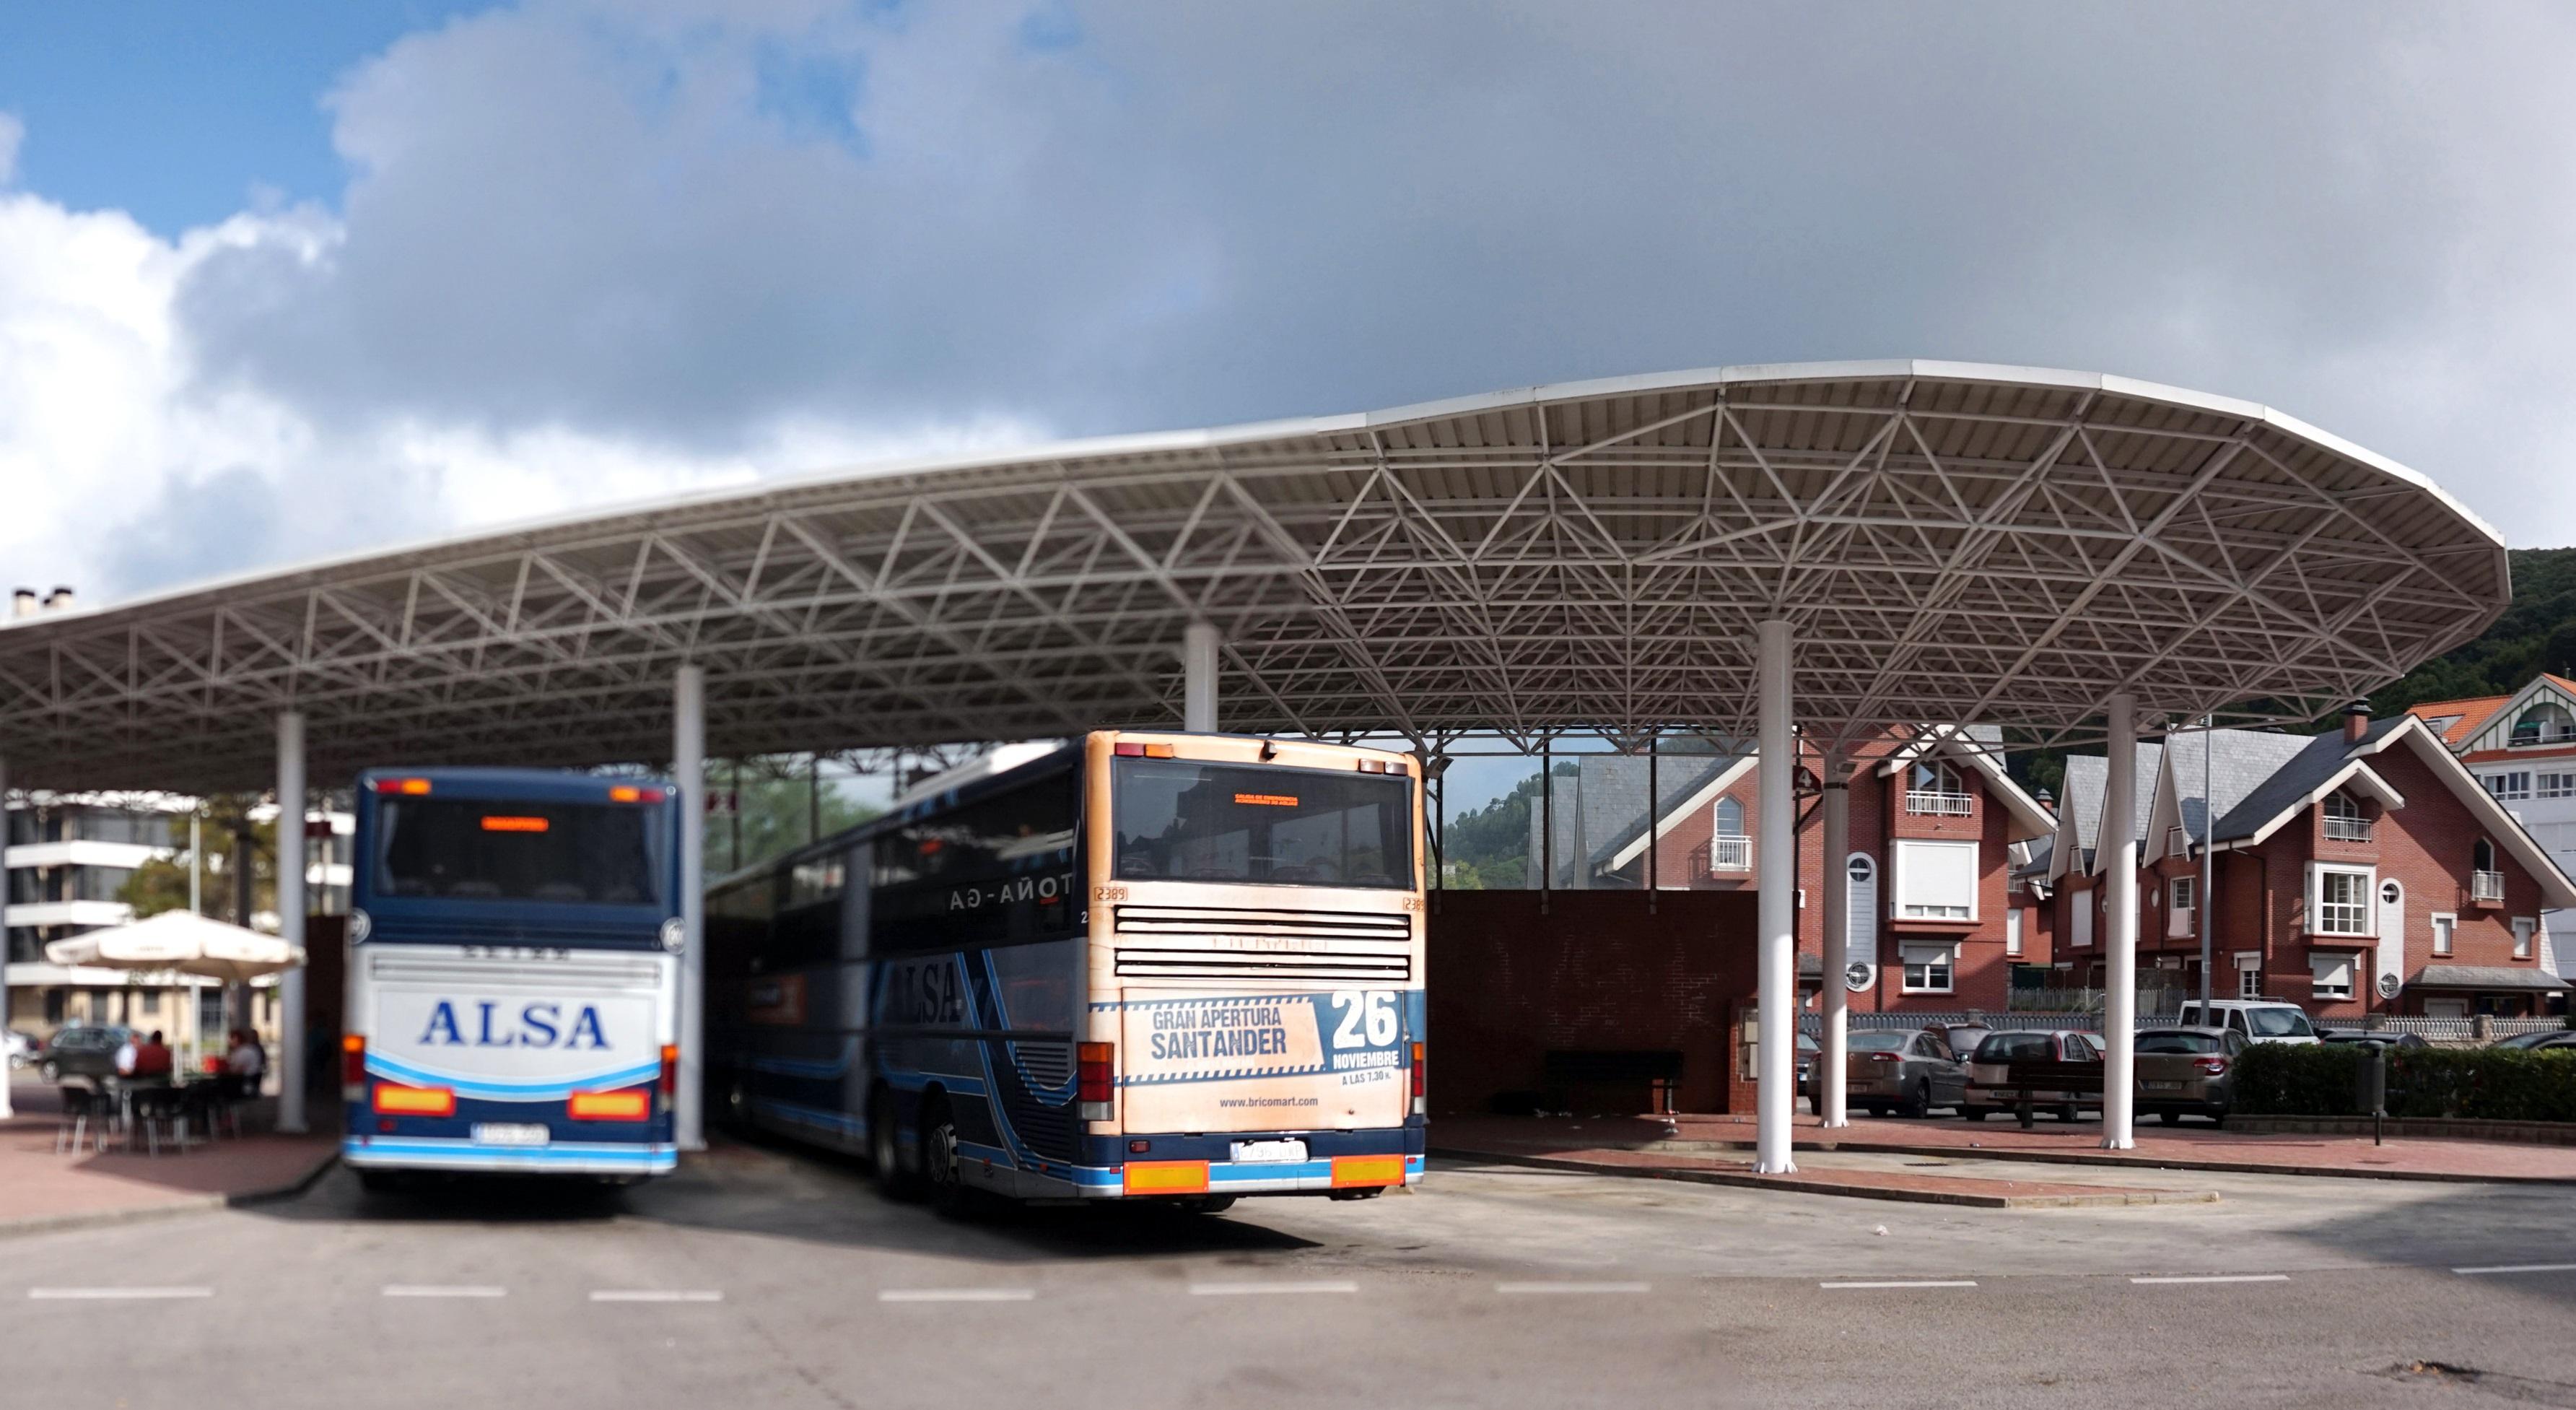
1778, 878
1201, 645
290, 919
689, 772
5, 1111
1830, 1107
2119, 859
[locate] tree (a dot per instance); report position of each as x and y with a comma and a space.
230, 839
775, 803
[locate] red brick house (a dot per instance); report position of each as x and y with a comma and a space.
2360, 871
1938, 918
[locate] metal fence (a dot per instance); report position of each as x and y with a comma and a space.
2459, 1032
1813, 1025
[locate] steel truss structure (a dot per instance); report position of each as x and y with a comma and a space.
1951, 542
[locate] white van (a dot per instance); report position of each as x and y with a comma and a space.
2260, 1020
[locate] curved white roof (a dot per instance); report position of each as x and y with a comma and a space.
1954, 542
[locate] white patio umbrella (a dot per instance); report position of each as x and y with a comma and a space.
180, 942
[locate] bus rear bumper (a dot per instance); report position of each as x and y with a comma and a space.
1170, 1179
560, 1158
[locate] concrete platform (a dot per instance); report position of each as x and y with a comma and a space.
41, 1190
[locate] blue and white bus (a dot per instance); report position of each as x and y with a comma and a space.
513, 999
1147, 965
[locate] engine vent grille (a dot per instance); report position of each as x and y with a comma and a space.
1218, 942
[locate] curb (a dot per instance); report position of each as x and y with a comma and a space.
170, 1208
2119, 1160
1808, 1185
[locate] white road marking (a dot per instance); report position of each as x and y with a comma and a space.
656, 1295
1927, 1283
115, 1294
1541, 1289
2516, 1268
2221, 1278
433, 1290
956, 1294
1263, 1289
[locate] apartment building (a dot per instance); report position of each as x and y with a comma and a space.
2364, 870
1939, 915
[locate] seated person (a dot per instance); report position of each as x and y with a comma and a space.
153, 1061
245, 1063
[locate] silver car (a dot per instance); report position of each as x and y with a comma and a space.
1907, 1071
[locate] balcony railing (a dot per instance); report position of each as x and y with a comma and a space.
2487, 886
1730, 854
2347, 829
2527, 738
1943, 805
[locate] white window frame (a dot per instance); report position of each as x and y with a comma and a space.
2012, 933
1938, 966
2367, 905
2526, 929
2554, 785
2510, 786
2319, 962
2446, 932
2344, 819
1905, 847
2249, 974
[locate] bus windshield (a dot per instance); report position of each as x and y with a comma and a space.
1182, 820
512, 850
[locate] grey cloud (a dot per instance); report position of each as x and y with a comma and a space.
1171, 213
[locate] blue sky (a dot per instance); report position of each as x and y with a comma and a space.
178, 112
291, 279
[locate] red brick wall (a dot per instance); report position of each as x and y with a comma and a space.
1508, 983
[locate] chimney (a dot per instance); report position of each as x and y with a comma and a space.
2356, 721
2047, 800
22, 603
59, 600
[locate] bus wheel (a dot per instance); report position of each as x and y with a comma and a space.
1365, 1192
939, 1164
379, 1182
882, 1148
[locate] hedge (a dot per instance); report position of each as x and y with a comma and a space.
2475, 1084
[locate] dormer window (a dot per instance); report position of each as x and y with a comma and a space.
1728, 848
1932, 787
2345, 821
2545, 723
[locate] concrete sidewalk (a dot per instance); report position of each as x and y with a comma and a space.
2188, 1147
42, 1190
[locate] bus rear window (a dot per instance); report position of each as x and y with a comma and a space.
1180, 820
514, 850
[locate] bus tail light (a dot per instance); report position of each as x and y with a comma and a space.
1421, 1081
670, 1071
1142, 751
413, 786
1095, 1080
353, 1067
624, 1104
395, 1100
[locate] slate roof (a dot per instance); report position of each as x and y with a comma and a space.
2240, 761
2318, 759
2041, 849
2081, 795
2484, 976
1600, 806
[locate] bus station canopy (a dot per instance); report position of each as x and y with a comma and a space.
1951, 542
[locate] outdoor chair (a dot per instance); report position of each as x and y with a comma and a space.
209, 1107
85, 1120
157, 1109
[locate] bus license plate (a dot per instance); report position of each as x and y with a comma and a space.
1268, 1152
506, 1133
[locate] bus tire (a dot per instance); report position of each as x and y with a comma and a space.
942, 1172
884, 1152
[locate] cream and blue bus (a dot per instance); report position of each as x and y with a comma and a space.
513, 975
1178, 967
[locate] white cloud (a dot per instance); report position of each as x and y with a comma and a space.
592, 250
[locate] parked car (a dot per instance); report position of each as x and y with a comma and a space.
1963, 1038
1807, 1050
88, 1051
2532, 1040
20, 1048
2554, 1043
2367, 1038
1907, 1071
1990, 1071
2260, 1020
2187, 1071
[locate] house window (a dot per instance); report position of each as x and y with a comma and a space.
2549, 785
2249, 976
1728, 848
2510, 786
2344, 819
2181, 891
2486, 882
2332, 975
2079, 905
1928, 968
1936, 880
2523, 928
2012, 932
2339, 900
1934, 787
2444, 928
2545, 723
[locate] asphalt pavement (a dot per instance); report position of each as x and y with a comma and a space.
760, 1277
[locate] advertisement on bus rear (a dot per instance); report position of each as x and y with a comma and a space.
1272, 1061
